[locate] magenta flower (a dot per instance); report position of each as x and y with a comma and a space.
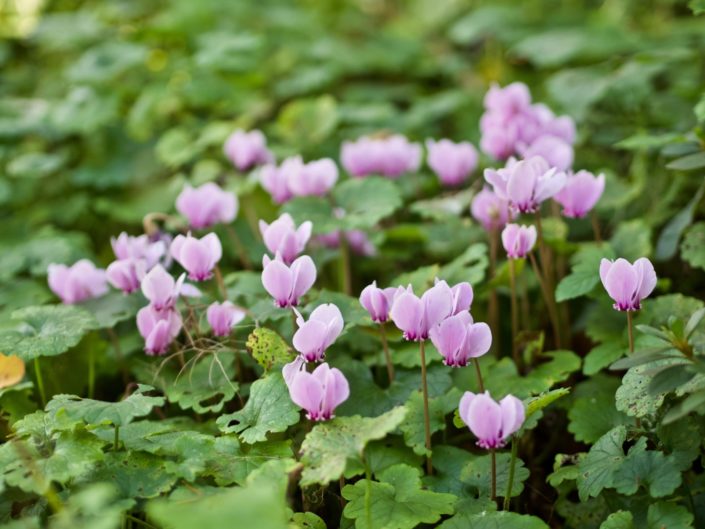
275, 180
492, 422
462, 297
314, 336
128, 247
518, 240
458, 339
499, 141
78, 282
416, 316
319, 392
126, 274
197, 256
580, 194
207, 205
222, 317
247, 149
287, 284
314, 179
283, 237
378, 301
510, 100
160, 288
627, 284
158, 328
490, 210
452, 162
526, 184
391, 156
556, 151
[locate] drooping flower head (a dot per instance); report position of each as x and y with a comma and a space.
416, 316
518, 240
490, 210
247, 149
580, 193
283, 237
391, 156
315, 178
378, 301
628, 284
458, 339
197, 256
78, 282
319, 392
318, 333
527, 183
128, 247
158, 328
207, 205
275, 179
222, 317
162, 291
452, 162
287, 284
126, 274
492, 422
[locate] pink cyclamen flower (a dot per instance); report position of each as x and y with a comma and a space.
286, 284
391, 156
207, 205
319, 392
378, 301
492, 422
556, 151
275, 180
247, 149
160, 288
526, 184
462, 297
452, 162
126, 274
518, 240
197, 256
314, 179
627, 284
222, 317
490, 210
78, 282
416, 316
283, 237
458, 339
314, 336
158, 328
508, 100
580, 193
128, 247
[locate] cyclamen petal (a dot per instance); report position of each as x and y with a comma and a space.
518, 240
158, 328
283, 237
628, 284
490, 210
319, 392
207, 205
197, 256
126, 274
491, 422
377, 302
416, 316
580, 193
318, 333
128, 247
316, 178
452, 162
159, 287
222, 317
246, 149
391, 156
78, 282
287, 284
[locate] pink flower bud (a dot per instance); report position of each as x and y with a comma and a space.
378, 301
222, 317
518, 240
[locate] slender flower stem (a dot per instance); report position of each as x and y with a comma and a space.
387, 356
426, 414
116, 441
630, 330
550, 303
368, 493
493, 308
239, 248
493, 489
40, 381
510, 483
91, 373
344, 265
515, 313
221, 284
480, 382
596, 227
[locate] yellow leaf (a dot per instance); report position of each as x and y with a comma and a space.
11, 370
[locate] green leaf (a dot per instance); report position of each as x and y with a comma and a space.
493, 520
45, 331
632, 240
269, 409
585, 272
396, 501
594, 394
449, 462
329, 445
477, 474
598, 468
112, 308
309, 121
96, 412
647, 468
670, 378
667, 244
94, 507
619, 520
693, 245
668, 515
688, 163
633, 397
366, 201
602, 356
413, 426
